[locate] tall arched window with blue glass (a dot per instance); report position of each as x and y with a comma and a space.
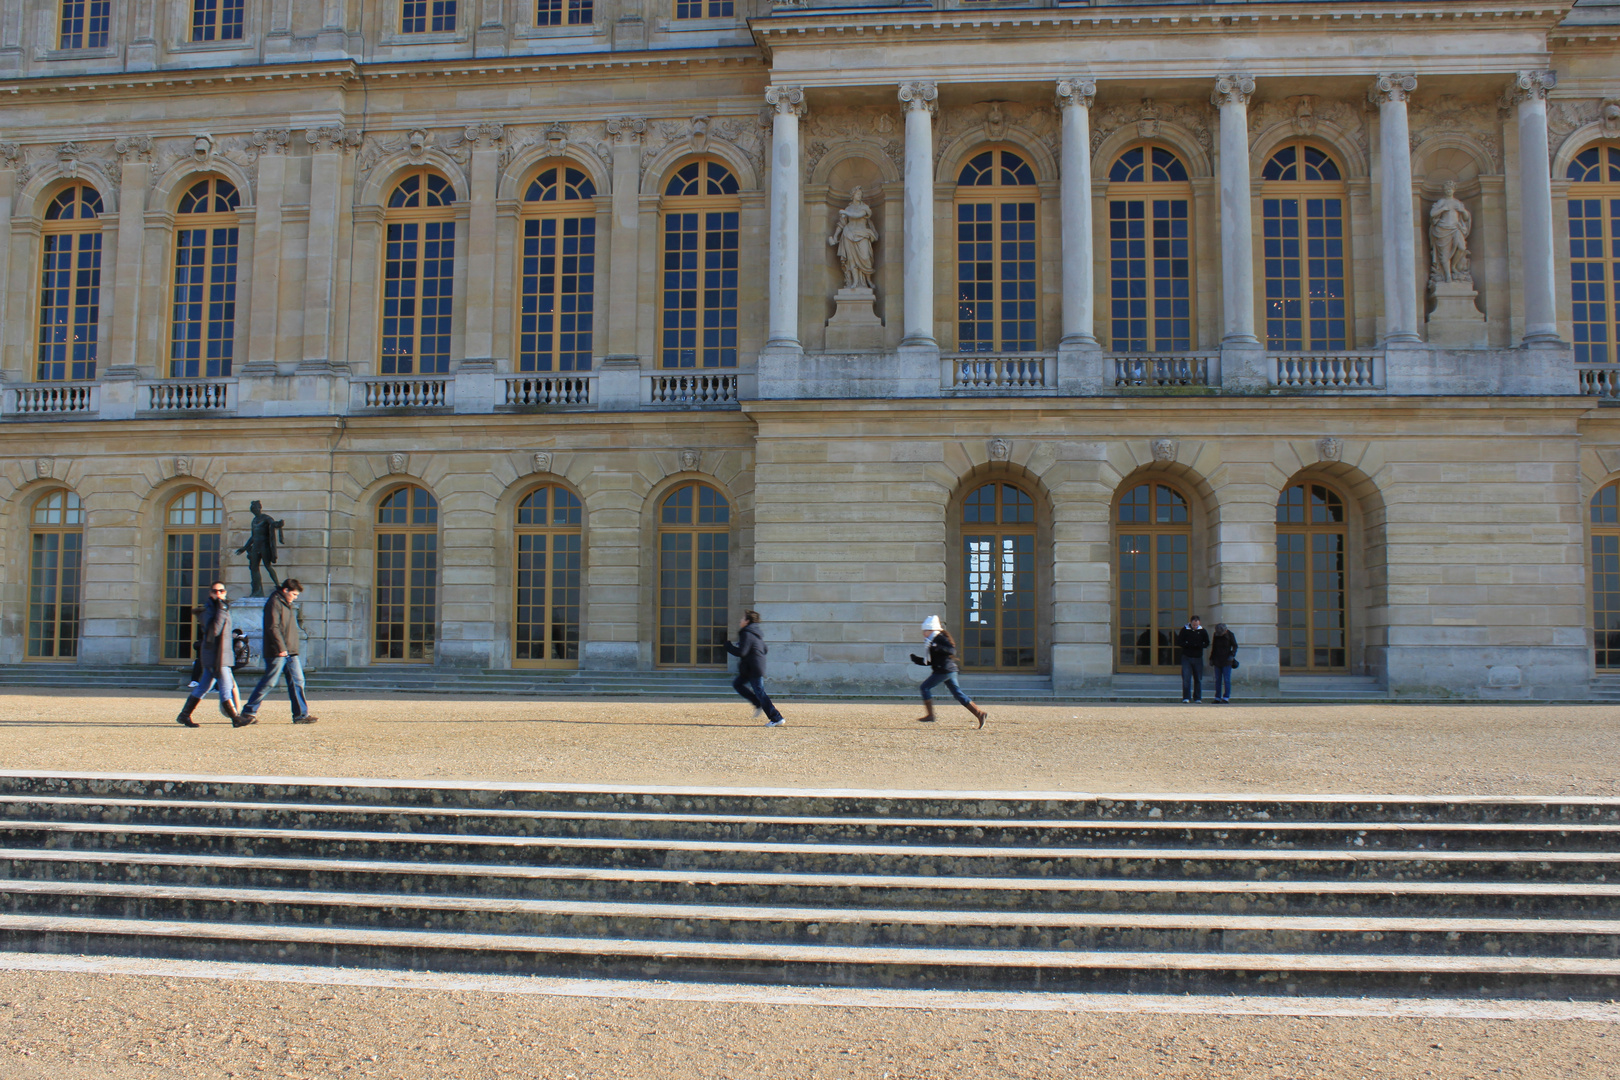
1150, 280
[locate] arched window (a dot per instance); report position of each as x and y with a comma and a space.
1606, 577
694, 562
203, 335
1302, 207
1150, 252
1153, 536
998, 574
545, 621
996, 286
84, 24
1312, 629
191, 549
419, 271
699, 295
407, 600
1594, 253
55, 576
217, 20
70, 287
558, 286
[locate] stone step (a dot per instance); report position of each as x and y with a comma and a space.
855, 926
1088, 832
1354, 898
777, 963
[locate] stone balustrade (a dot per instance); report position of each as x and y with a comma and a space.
65, 400
523, 391
1025, 373
1348, 371
1600, 382
186, 395
691, 389
1167, 370
401, 392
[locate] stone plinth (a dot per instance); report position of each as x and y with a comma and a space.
854, 326
1456, 323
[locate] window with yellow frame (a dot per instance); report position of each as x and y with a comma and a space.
70, 287
419, 272
997, 267
698, 282
202, 337
1150, 264
557, 272
1302, 199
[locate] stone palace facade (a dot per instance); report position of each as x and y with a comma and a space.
557, 332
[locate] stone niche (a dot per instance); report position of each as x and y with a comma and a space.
1455, 315
855, 323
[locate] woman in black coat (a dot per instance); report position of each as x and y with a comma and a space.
941, 657
750, 652
1223, 658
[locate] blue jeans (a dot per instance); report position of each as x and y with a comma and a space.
273, 668
949, 679
215, 679
752, 689
1223, 681
1192, 678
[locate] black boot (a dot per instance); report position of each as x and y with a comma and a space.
185, 713
228, 711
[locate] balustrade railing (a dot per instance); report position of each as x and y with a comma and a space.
689, 389
185, 395
547, 390
402, 393
1328, 371
1004, 374
1167, 369
55, 399
1600, 382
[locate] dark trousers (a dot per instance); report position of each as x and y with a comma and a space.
752, 689
1223, 681
949, 679
1192, 678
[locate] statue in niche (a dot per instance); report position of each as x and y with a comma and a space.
1449, 226
854, 238
260, 548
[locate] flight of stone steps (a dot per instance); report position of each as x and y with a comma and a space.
1322, 895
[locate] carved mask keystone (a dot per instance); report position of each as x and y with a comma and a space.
42, 468
182, 466
1000, 449
1165, 450
542, 461
1329, 449
690, 459
396, 462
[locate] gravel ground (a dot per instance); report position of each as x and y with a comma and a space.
1382, 749
119, 1027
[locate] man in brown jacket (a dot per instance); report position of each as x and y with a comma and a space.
281, 654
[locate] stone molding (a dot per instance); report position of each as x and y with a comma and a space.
625, 130
1150, 116
1394, 87
1037, 128
828, 130
1234, 89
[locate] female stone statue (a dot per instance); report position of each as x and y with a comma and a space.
1449, 226
854, 238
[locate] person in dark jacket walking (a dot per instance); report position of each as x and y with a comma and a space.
750, 651
1192, 640
281, 654
1223, 649
216, 661
940, 655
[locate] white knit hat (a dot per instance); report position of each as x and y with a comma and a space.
932, 624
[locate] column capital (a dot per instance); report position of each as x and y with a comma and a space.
1234, 89
1527, 85
1387, 89
328, 140
268, 140
132, 148
626, 130
485, 136
1081, 91
919, 95
785, 100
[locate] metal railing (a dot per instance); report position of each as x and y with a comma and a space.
402, 393
185, 395
55, 399
1328, 371
1168, 369
1002, 374
547, 390
691, 389
1600, 382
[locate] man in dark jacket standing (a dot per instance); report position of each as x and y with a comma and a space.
750, 652
1192, 640
216, 661
281, 654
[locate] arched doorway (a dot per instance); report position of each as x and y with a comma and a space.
1313, 632
55, 575
1153, 547
999, 586
549, 578
694, 577
406, 603
191, 550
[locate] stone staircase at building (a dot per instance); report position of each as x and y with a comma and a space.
1496, 897
1606, 688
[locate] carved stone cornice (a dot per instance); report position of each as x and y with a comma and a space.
270, 140
326, 140
1527, 85
1234, 89
1390, 88
1078, 91
919, 95
785, 100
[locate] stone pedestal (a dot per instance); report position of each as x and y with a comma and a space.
854, 326
1455, 322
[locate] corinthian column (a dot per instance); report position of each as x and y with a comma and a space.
1389, 93
917, 98
1528, 96
1074, 98
787, 105
1231, 97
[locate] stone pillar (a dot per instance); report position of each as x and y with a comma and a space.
264, 301
325, 189
1528, 96
624, 263
1080, 362
787, 105
479, 246
1243, 359
120, 355
1390, 93
11, 156
917, 99
491, 36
